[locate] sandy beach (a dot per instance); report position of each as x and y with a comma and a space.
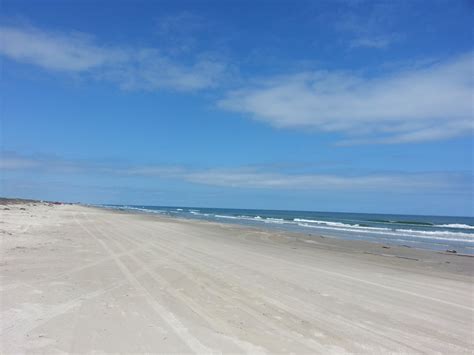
79, 279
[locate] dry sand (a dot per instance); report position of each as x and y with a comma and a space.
79, 279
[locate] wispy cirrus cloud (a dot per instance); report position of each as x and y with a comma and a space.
74, 52
130, 68
260, 179
14, 162
371, 42
180, 32
247, 177
369, 24
426, 103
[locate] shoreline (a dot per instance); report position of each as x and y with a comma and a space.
365, 247
277, 230
82, 279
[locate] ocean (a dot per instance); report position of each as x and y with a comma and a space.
425, 232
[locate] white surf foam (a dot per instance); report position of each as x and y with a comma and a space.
455, 225
438, 235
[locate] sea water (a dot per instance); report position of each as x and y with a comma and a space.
425, 232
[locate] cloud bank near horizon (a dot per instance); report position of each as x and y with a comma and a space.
247, 177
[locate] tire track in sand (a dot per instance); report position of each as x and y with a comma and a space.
308, 343
189, 302
193, 343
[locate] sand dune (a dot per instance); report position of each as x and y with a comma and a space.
79, 279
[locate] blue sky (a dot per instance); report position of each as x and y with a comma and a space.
320, 105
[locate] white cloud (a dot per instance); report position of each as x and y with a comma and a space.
425, 103
149, 70
130, 68
73, 52
422, 104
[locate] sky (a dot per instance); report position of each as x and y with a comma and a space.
355, 106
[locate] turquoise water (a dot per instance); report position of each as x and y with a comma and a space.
426, 232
